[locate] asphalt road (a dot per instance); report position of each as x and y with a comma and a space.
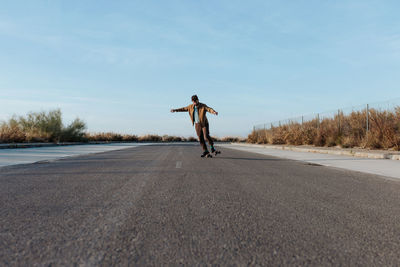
164, 205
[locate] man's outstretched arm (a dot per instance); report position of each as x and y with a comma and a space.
211, 110
180, 109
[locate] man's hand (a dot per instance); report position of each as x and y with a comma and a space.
216, 113
172, 110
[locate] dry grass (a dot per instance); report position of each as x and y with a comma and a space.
11, 132
115, 137
150, 138
110, 137
191, 139
342, 130
41, 127
48, 127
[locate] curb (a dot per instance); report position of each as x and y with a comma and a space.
342, 152
28, 145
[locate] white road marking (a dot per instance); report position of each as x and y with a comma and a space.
179, 164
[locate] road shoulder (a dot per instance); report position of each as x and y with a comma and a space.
378, 166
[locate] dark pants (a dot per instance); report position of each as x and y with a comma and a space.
203, 131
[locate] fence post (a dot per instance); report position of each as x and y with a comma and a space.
302, 120
367, 118
338, 114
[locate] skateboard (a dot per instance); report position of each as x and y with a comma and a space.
216, 152
210, 155
207, 156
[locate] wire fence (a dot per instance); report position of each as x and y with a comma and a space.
374, 126
336, 115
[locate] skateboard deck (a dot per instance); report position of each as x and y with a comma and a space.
216, 152
210, 155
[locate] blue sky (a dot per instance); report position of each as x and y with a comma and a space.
122, 65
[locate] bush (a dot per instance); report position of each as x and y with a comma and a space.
346, 131
110, 137
11, 132
192, 139
167, 138
74, 132
150, 138
230, 139
129, 138
41, 127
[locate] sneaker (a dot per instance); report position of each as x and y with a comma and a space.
205, 153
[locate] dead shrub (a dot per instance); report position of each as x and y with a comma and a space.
295, 135
309, 134
168, 138
278, 137
342, 130
150, 138
11, 132
192, 139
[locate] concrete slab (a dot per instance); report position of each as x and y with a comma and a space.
385, 167
36, 154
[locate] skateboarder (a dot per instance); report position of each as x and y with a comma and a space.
197, 112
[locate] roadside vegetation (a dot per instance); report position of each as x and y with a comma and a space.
115, 137
47, 127
347, 131
41, 127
